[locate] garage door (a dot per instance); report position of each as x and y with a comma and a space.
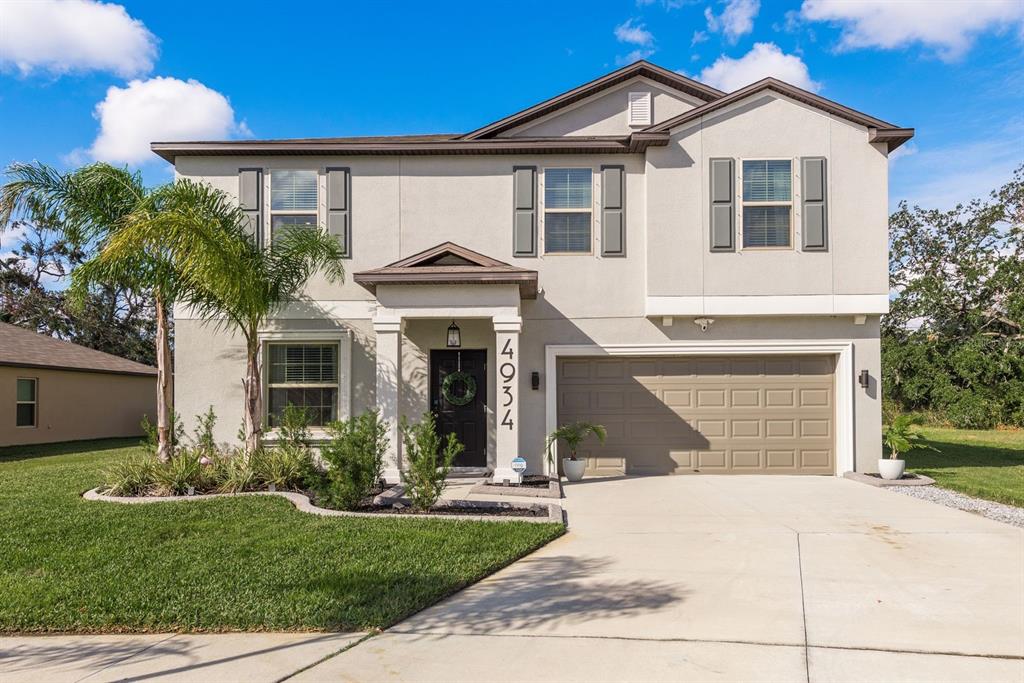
734, 415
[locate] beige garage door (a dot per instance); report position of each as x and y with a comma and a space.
738, 415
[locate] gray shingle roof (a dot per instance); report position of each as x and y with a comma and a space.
24, 348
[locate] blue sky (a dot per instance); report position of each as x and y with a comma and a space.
81, 80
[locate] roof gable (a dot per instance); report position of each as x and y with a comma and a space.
646, 69
450, 264
879, 130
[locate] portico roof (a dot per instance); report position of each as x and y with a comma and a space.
450, 264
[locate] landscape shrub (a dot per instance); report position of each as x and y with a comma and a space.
428, 461
134, 475
355, 459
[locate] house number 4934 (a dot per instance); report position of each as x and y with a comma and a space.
507, 371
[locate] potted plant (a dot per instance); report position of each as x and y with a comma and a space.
901, 437
572, 435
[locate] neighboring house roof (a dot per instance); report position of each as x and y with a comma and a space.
641, 68
879, 130
450, 264
484, 141
24, 348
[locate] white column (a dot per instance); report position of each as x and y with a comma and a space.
389, 374
506, 410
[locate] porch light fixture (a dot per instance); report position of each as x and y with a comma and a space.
454, 336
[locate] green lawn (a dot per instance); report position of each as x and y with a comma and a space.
251, 563
986, 464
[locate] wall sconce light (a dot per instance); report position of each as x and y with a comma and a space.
535, 380
865, 379
454, 336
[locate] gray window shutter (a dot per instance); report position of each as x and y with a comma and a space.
613, 211
723, 205
339, 210
524, 211
250, 198
814, 209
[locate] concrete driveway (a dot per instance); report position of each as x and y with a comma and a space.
728, 578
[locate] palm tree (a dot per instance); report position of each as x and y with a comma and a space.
573, 434
92, 205
221, 273
903, 436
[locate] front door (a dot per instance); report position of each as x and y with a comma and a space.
468, 421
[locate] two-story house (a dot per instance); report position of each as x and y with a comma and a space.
701, 272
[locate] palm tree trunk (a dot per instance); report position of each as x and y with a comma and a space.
165, 386
253, 385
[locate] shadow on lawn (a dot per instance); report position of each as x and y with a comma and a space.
548, 590
954, 455
45, 450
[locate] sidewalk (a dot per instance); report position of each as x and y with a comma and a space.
166, 657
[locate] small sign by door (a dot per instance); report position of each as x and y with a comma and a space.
519, 465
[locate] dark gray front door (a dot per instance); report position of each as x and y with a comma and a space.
467, 422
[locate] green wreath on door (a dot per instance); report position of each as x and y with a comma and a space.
450, 383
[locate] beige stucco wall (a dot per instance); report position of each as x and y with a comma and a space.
76, 405
211, 365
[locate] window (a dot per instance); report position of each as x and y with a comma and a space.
568, 210
304, 375
767, 203
639, 108
293, 201
26, 403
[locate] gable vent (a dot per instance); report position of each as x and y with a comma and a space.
639, 108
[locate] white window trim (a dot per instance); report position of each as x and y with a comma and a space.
845, 381
594, 194
629, 108
321, 193
35, 403
791, 203
343, 338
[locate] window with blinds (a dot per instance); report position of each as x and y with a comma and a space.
303, 375
293, 201
767, 203
568, 210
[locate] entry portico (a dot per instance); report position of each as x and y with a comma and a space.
444, 284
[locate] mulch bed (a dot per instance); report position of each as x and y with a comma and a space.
482, 510
530, 481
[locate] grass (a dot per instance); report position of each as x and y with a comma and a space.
251, 563
986, 464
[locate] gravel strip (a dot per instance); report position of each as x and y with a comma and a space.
1008, 514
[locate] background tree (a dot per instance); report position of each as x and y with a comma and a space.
221, 273
36, 262
953, 341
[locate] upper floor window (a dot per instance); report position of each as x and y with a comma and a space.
293, 200
26, 402
306, 376
568, 210
767, 203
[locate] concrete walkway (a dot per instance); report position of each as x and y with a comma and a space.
663, 578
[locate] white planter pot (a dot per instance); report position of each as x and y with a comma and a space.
573, 469
891, 469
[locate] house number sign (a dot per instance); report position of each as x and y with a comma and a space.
507, 372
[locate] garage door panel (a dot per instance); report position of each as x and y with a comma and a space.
683, 415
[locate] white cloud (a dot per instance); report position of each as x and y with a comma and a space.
160, 109
906, 150
764, 59
64, 36
634, 56
633, 33
698, 38
736, 20
949, 27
